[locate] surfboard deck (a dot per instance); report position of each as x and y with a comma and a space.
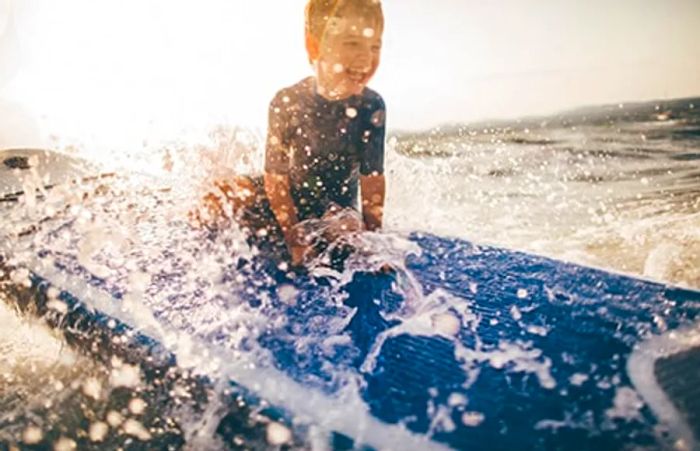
465, 346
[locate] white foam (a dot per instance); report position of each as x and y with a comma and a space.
626, 404
278, 434
98, 431
517, 357
640, 367
472, 419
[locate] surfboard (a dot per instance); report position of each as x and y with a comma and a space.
464, 346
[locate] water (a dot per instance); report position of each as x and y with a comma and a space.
615, 187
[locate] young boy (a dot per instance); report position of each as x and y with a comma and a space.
325, 136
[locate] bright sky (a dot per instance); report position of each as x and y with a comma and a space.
123, 71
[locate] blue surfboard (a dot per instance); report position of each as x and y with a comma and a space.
462, 346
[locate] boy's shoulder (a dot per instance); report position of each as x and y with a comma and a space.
293, 93
305, 89
373, 99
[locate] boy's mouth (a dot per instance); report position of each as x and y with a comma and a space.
356, 76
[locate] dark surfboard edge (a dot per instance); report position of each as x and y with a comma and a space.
103, 335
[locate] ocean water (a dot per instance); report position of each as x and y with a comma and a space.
616, 187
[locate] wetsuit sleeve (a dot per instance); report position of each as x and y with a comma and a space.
276, 146
373, 133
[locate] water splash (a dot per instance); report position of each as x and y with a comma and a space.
621, 198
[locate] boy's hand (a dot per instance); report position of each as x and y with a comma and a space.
295, 244
373, 189
297, 253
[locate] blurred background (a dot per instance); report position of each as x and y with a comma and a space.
118, 73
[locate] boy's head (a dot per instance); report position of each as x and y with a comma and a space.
344, 40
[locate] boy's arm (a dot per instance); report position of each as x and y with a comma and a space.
277, 185
277, 188
282, 205
373, 187
372, 181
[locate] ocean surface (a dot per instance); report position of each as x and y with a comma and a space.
615, 187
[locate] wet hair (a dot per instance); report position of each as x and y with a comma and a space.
319, 12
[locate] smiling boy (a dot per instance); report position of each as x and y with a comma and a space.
325, 138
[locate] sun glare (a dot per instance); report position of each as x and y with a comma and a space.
132, 74
117, 74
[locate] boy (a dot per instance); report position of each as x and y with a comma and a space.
325, 136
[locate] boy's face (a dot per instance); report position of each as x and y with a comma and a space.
348, 56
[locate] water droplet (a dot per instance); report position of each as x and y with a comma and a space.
287, 294
578, 379
92, 388
137, 406
64, 444
456, 399
351, 112
125, 376
32, 435
278, 434
472, 419
98, 431
368, 32
515, 313
136, 429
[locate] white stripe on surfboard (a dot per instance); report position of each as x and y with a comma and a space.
640, 367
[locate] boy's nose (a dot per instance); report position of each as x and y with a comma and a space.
363, 60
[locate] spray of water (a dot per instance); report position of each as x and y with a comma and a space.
577, 193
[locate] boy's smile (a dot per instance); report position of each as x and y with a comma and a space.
348, 56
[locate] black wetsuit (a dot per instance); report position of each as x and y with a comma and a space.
322, 146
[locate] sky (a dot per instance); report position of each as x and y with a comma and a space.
120, 72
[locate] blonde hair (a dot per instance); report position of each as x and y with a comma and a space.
319, 12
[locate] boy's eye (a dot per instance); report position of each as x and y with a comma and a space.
351, 43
